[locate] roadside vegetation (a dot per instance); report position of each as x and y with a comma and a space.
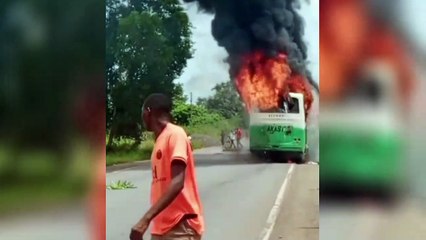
121, 185
52, 124
203, 121
134, 71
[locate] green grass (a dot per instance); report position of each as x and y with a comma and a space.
125, 152
140, 153
33, 180
214, 130
197, 144
120, 185
38, 195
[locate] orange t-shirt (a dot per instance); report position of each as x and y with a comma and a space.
171, 144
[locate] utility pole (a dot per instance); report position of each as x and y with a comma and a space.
190, 106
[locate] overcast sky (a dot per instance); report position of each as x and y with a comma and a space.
414, 21
207, 68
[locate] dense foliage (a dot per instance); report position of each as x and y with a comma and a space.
148, 44
187, 114
147, 48
225, 100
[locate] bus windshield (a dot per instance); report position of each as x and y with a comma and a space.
285, 106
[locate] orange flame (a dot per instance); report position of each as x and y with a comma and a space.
263, 81
349, 38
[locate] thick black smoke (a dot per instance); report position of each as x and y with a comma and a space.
272, 26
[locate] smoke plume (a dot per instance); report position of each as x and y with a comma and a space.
272, 26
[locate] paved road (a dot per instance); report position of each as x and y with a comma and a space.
237, 191
68, 223
299, 217
371, 221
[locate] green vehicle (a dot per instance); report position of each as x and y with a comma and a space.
281, 134
361, 143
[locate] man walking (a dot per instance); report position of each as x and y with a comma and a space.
176, 211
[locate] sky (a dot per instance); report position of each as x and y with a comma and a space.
207, 67
414, 20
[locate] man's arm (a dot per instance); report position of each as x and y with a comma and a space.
178, 179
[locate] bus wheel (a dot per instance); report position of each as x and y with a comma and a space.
300, 158
277, 157
255, 153
261, 155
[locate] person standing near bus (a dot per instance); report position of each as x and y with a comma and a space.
233, 139
176, 211
222, 138
239, 134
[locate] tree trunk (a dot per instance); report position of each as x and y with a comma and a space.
111, 137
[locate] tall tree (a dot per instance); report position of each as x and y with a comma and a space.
224, 101
115, 10
148, 47
44, 64
179, 95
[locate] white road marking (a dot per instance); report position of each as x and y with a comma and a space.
273, 214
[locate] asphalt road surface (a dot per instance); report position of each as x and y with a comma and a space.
243, 198
353, 220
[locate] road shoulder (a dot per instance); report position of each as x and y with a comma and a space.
145, 163
299, 213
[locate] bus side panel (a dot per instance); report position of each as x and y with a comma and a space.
276, 137
359, 160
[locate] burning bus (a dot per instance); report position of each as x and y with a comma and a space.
278, 101
280, 134
367, 81
267, 59
361, 138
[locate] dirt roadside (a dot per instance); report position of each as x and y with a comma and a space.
299, 214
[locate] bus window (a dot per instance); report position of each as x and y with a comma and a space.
289, 106
369, 90
294, 106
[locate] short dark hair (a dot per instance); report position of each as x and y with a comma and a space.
159, 102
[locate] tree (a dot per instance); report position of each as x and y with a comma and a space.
147, 48
178, 95
202, 101
186, 114
44, 68
115, 10
224, 101
48, 59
